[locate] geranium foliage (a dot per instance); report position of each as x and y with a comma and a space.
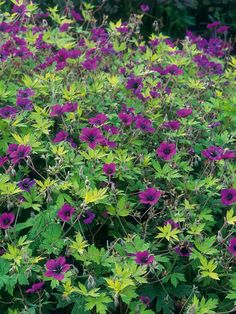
117, 167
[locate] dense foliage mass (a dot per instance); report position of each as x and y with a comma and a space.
117, 167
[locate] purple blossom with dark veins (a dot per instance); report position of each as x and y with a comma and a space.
77, 16
60, 137
92, 136
144, 124
70, 107
12, 148
90, 64
99, 119
228, 154
125, 118
222, 29
88, 217
145, 300
57, 110
8, 112
228, 196
184, 249
213, 153
174, 225
36, 287
144, 7
3, 160
20, 153
66, 212
213, 25
6, 219
134, 83
184, 112
166, 150
171, 125
150, 196
110, 144
109, 169
232, 246
64, 27
111, 129
26, 184
143, 258
56, 268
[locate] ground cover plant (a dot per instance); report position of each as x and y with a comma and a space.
117, 167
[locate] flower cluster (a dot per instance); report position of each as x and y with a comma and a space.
117, 165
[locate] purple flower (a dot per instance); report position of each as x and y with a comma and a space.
70, 107
125, 118
20, 153
145, 300
26, 184
144, 7
11, 148
90, 64
173, 70
184, 249
173, 224
171, 125
113, 130
64, 27
88, 217
60, 137
144, 124
228, 196
222, 29
143, 258
213, 25
19, 9
23, 98
57, 110
108, 143
213, 153
150, 196
109, 169
3, 160
56, 268
232, 246
6, 219
228, 154
66, 212
35, 287
166, 150
99, 119
134, 83
8, 112
185, 112
92, 136
214, 124
76, 16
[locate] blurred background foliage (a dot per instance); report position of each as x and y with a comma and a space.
174, 17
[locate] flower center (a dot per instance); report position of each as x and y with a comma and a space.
6, 221
135, 85
213, 154
229, 196
184, 250
144, 259
167, 151
58, 269
150, 198
91, 138
21, 154
67, 213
